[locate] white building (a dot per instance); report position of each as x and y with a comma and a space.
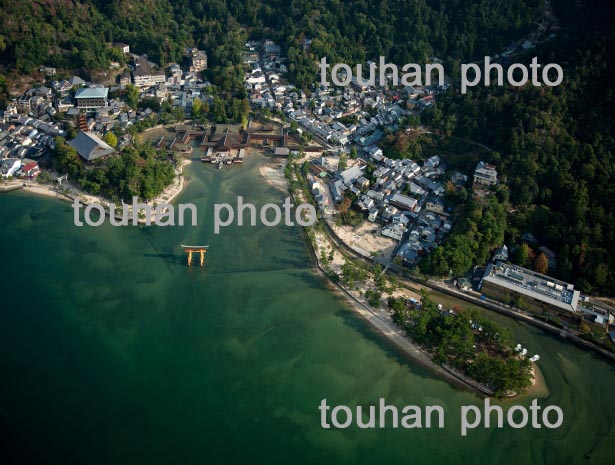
485, 174
395, 231
9, 167
198, 60
144, 76
91, 98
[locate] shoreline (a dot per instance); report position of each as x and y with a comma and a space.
272, 171
167, 196
40, 189
397, 338
382, 324
538, 389
386, 327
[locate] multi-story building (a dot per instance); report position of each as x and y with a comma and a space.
91, 98
485, 174
198, 60
9, 166
535, 292
144, 76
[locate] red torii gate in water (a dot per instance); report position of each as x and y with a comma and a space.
201, 249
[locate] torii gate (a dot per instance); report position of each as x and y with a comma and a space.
201, 249
62, 178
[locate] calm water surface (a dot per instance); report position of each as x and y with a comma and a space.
112, 351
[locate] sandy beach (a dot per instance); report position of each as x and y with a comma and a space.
69, 192
380, 319
272, 171
382, 322
538, 389
366, 239
29, 186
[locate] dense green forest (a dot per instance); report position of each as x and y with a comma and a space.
555, 147
479, 230
72, 34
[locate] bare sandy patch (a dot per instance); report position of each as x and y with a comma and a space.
272, 171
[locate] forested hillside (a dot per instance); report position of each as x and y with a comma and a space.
74, 34
555, 146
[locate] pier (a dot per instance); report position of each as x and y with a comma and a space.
200, 249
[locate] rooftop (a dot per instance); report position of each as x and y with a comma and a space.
403, 201
92, 92
532, 284
89, 146
485, 167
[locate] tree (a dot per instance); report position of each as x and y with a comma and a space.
541, 264
66, 160
197, 105
373, 298
132, 96
436, 264
71, 132
522, 254
345, 205
219, 110
110, 139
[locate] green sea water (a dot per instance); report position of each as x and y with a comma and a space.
112, 351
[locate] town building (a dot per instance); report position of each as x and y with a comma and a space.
350, 175
198, 60
30, 170
91, 98
125, 79
485, 174
9, 167
47, 70
404, 202
538, 293
501, 254
144, 76
394, 231
434, 205
90, 147
123, 47
464, 284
